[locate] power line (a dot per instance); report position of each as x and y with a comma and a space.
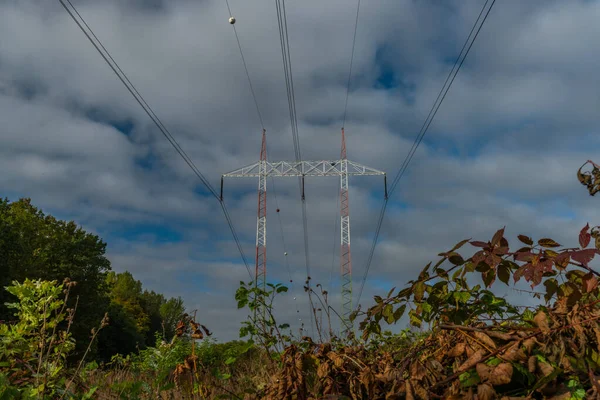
237, 38
289, 85
272, 179
424, 128
138, 97
351, 62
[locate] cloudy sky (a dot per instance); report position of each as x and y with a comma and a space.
520, 118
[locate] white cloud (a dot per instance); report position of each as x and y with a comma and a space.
521, 115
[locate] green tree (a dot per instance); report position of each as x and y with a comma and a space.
171, 313
151, 303
126, 291
38, 246
121, 336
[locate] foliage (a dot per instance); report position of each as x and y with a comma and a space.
138, 316
33, 350
38, 246
261, 324
479, 345
590, 179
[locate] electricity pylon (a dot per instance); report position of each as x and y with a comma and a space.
342, 168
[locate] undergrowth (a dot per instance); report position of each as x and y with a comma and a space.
475, 345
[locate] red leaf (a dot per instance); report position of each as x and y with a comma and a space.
524, 256
479, 244
502, 250
478, 257
583, 256
525, 239
537, 276
546, 265
497, 236
562, 260
519, 273
585, 237
460, 244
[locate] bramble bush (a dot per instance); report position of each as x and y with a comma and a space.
479, 346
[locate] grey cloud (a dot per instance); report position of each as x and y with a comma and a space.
521, 109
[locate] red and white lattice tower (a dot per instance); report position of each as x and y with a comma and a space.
342, 168
261, 220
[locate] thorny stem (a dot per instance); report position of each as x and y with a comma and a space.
584, 267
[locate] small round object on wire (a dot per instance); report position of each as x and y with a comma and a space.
285, 253
278, 210
231, 20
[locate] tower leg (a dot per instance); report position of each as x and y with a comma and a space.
261, 222
345, 255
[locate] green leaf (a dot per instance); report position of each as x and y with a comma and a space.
526, 239
388, 313
419, 290
546, 242
415, 320
391, 291
504, 273
456, 259
281, 289
230, 360
546, 379
399, 312
489, 277
469, 378
462, 297
551, 288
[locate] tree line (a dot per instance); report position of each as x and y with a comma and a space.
38, 246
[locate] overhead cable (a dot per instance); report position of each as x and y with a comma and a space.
289, 85
438, 102
351, 62
163, 129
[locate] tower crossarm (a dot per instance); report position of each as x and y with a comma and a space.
303, 168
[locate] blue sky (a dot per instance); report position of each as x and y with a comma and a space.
503, 150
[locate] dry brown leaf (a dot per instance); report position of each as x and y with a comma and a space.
501, 335
485, 339
541, 321
545, 368
409, 391
529, 344
563, 396
471, 361
532, 364
484, 371
485, 392
420, 391
469, 350
457, 350
514, 353
502, 374
417, 371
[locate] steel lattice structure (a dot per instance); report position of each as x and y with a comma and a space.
342, 168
